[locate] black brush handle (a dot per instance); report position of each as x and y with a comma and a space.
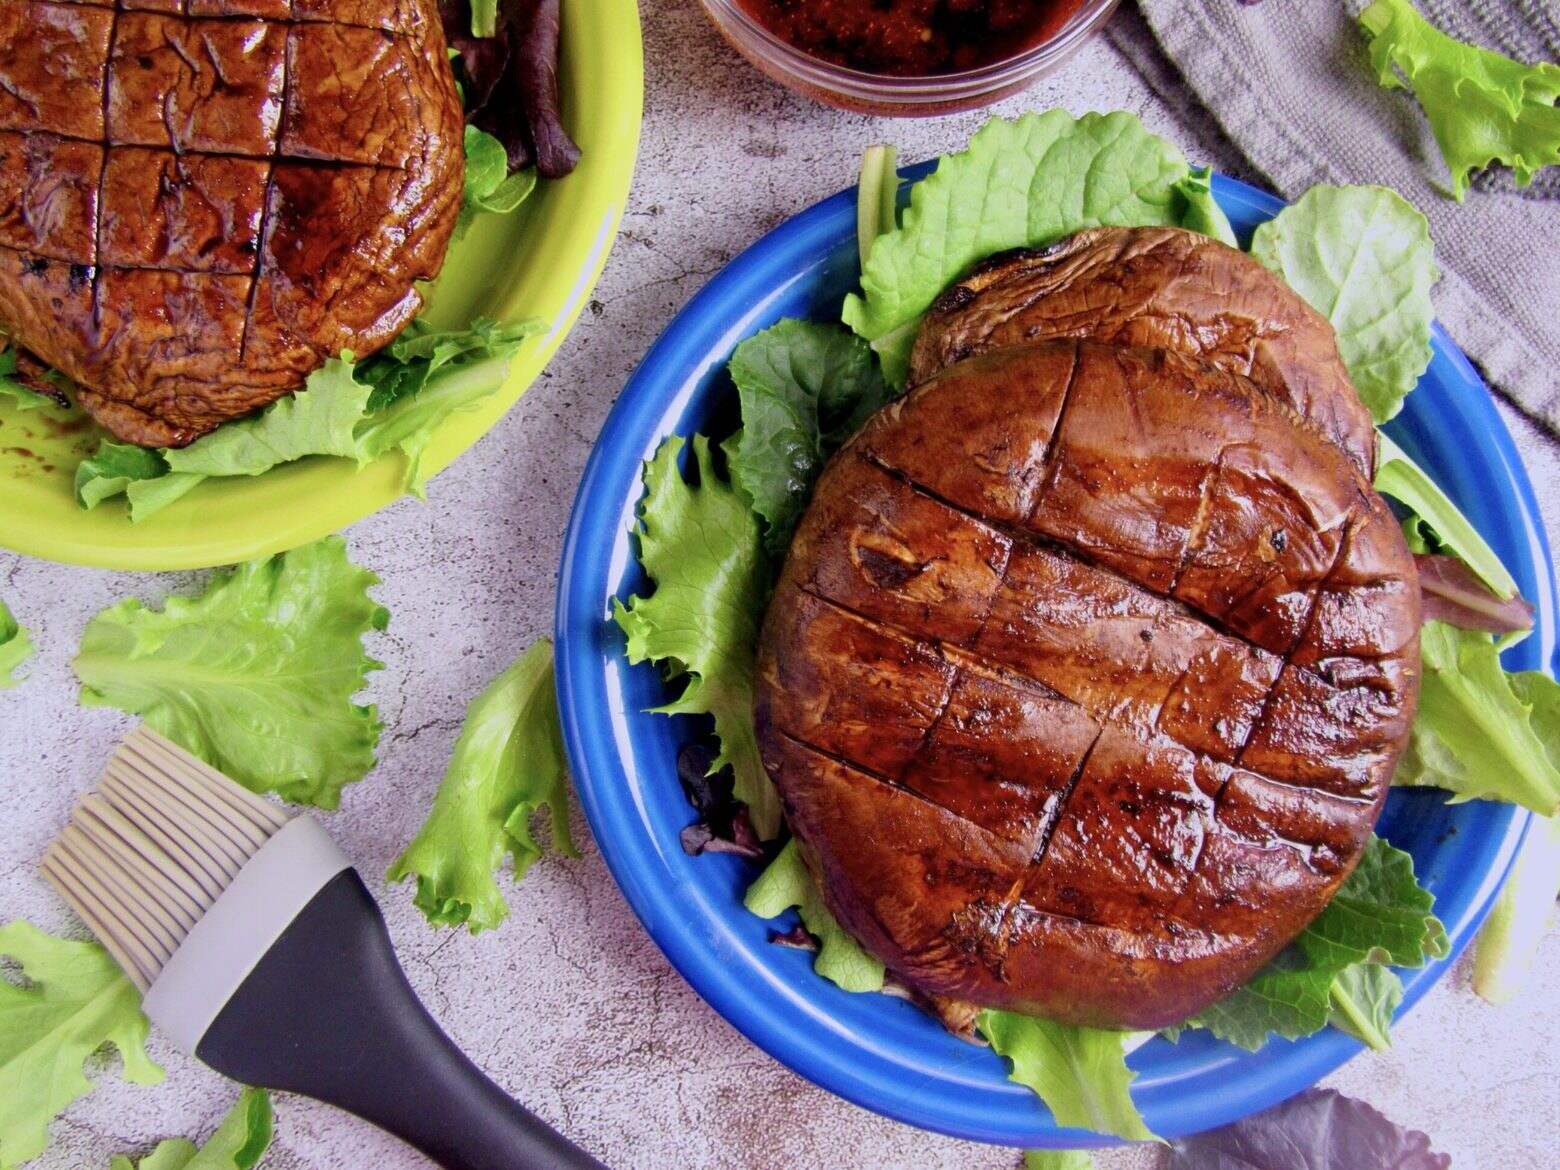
328, 1013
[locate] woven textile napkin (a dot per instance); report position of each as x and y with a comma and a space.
1289, 84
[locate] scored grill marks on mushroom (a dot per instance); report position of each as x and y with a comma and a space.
259, 180
1035, 636
1158, 287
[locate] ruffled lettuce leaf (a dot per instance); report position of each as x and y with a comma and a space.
1362, 257
1481, 732
255, 675
507, 765
1319, 1129
1483, 107
15, 390
787, 884
804, 389
238, 1143
15, 647
699, 544
1080, 1073
74, 1001
1023, 182
354, 410
1380, 915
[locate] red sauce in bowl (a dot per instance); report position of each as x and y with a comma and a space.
913, 38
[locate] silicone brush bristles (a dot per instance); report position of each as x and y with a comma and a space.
146, 855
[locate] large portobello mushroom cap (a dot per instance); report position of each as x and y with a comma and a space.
1161, 287
1084, 680
201, 201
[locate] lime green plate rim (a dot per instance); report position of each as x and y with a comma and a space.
567, 236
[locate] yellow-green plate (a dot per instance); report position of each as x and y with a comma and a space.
542, 262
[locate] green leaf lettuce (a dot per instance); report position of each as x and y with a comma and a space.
1080, 1073
804, 389
1019, 183
1381, 914
1362, 257
395, 400
786, 884
1483, 107
489, 186
1200, 211
75, 1001
699, 543
256, 675
1058, 1160
15, 647
1482, 732
240, 1140
508, 763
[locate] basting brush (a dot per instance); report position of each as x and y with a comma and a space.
258, 949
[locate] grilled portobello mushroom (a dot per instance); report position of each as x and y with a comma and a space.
1160, 287
1084, 680
202, 201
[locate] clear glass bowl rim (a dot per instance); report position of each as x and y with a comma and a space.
753, 37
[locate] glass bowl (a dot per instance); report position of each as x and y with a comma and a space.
905, 97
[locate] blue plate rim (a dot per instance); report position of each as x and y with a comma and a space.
593, 559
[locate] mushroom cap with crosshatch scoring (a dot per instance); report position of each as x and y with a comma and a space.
202, 200
1084, 680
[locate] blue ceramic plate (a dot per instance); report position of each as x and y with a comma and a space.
879, 1052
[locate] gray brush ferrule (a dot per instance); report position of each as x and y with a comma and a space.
239, 929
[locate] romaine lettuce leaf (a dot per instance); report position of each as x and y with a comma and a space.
256, 675
804, 389
1318, 1129
1483, 107
239, 1142
1405, 481
1381, 914
75, 1001
787, 883
15, 647
1477, 734
508, 763
354, 410
1510, 937
1362, 257
877, 197
1080, 1073
699, 543
1022, 182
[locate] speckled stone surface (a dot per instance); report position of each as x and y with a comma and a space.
569, 1004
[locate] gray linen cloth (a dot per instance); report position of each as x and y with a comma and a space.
1289, 84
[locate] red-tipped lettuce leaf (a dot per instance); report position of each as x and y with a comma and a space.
1451, 592
1318, 1130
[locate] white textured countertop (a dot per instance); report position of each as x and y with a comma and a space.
569, 1004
